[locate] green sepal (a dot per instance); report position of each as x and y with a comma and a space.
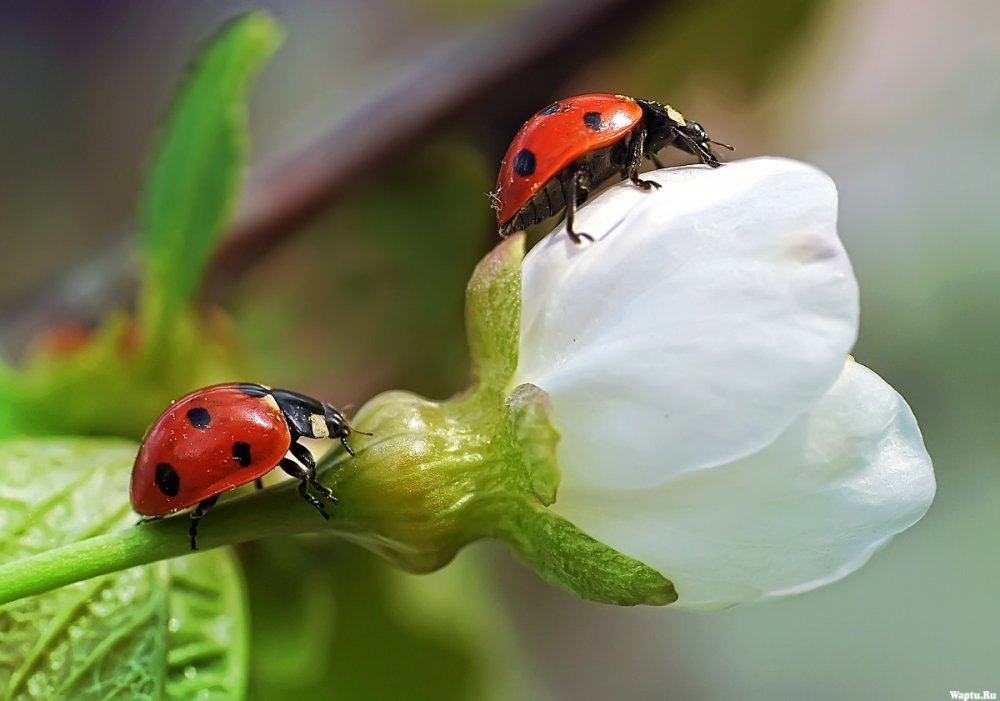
438, 475
493, 314
568, 558
537, 439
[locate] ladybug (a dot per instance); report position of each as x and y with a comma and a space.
575, 144
224, 436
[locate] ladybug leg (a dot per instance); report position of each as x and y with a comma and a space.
147, 519
203, 506
344, 433
347, 446
302, 474
572, 187
258, 483
302, 454
635, 161
691, 146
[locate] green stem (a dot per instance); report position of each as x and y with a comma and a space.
233, 521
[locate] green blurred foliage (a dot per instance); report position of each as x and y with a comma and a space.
372, 295
739, 43
102, 385
330, 620
326, 625
462, 11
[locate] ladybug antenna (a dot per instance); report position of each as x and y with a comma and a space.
349, 409
719, 143
338, 423
363, 433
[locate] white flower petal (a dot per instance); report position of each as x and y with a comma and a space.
806, 511
709, 315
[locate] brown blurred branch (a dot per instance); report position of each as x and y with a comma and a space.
500, 73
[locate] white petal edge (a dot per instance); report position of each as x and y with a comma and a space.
805, 512
708, 316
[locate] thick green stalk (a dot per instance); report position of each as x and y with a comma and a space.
235, 521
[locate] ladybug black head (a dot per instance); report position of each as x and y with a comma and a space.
335, 421
695, 132
667, 127
691, 137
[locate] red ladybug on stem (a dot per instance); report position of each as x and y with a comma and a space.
224, 436
575, 144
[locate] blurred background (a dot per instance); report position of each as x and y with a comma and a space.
378, 129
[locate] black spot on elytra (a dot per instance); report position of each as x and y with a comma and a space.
551, 109
199, 417
241, 453
524, 163
167, 479
592, 120
252, 390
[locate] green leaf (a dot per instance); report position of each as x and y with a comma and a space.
174, 629
198, 168
208, 637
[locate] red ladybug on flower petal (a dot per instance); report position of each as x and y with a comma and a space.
575, 144
224, 436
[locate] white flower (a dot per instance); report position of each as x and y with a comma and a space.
695, 355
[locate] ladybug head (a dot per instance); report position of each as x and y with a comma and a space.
336, 424
692, 137
338, 427
668, 127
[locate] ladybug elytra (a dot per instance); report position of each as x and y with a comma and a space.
575, 144
220, 437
